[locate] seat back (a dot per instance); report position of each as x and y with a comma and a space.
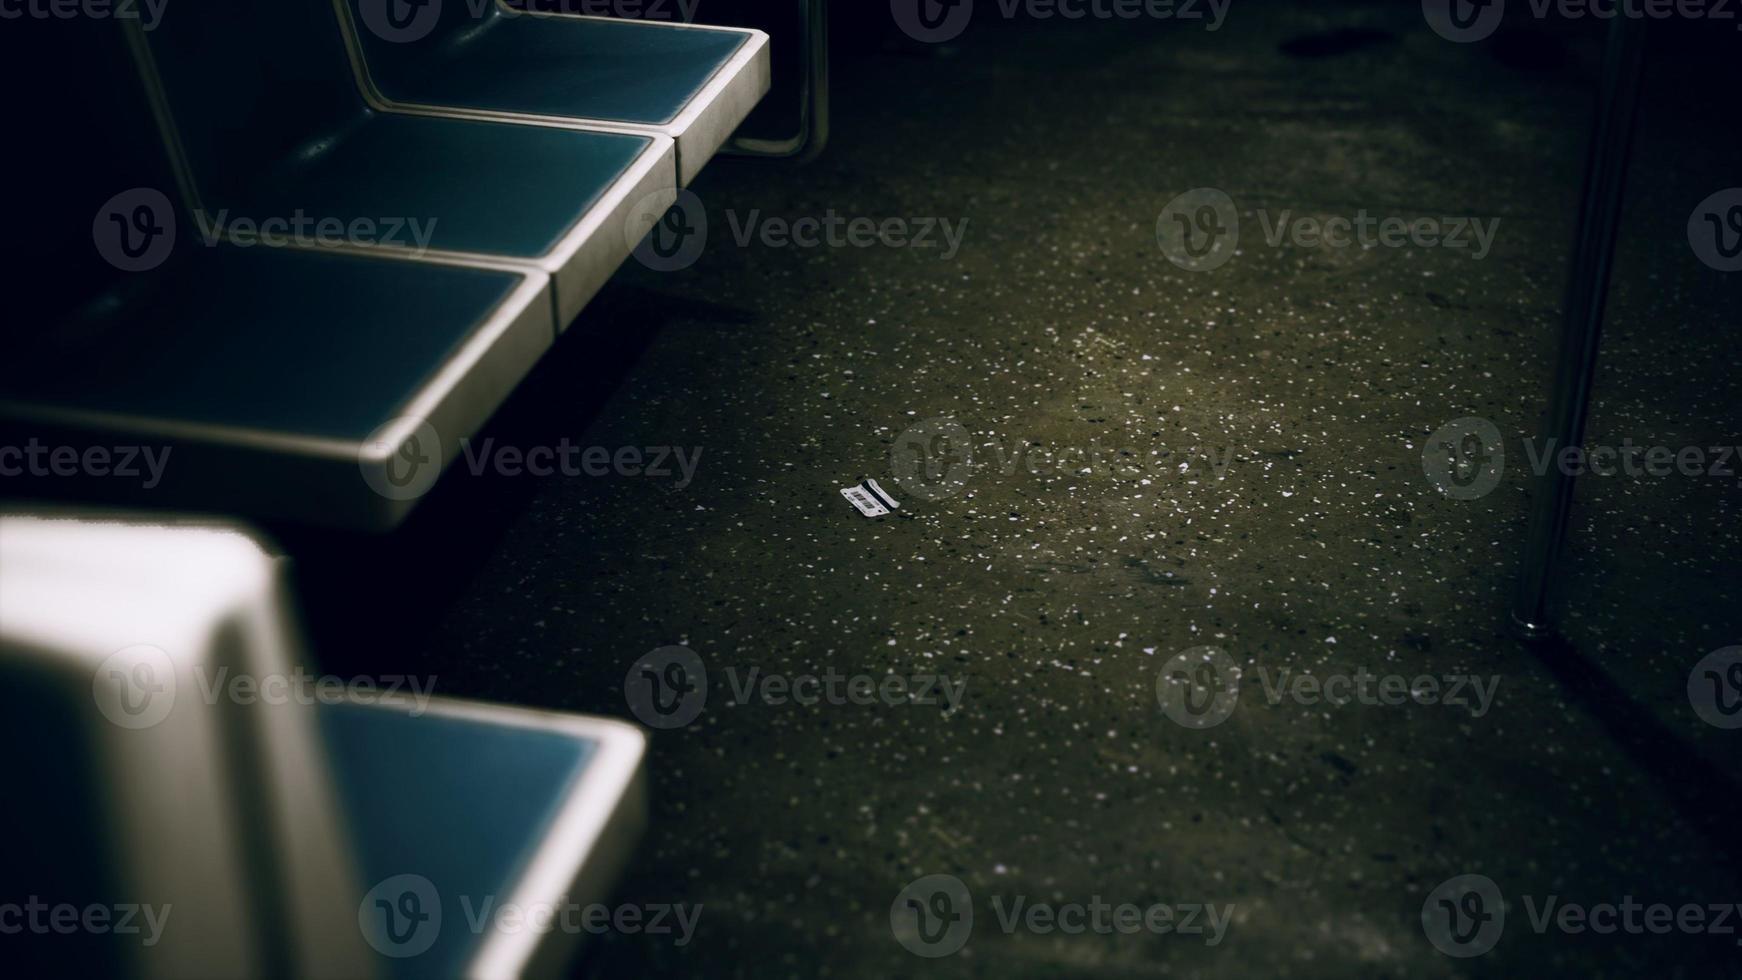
397, 39
253, 85
414, 23
83, 158
189, 822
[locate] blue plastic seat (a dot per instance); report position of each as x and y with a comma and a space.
485, 60
313, 384
140, 788
539, 811
289, 383
262, 101
184, 753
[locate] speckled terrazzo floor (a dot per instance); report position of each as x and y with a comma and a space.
1311, 377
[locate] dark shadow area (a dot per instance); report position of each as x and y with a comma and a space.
370, 600
1334, 43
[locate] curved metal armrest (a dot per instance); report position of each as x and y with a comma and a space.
813, 107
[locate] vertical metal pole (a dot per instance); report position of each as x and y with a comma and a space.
1582, 326
813, 94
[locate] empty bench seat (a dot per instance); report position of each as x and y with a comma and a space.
690, 83
261, 102
290, 383
325, 378
244, 815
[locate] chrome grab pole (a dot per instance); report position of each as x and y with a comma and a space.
1582, 325
813, 106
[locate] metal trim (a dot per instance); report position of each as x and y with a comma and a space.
606, 804
699, 129
813, 135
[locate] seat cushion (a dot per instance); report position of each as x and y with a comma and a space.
473, 820
287, 341
265, 102
479, 187
583, 67
460, 804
